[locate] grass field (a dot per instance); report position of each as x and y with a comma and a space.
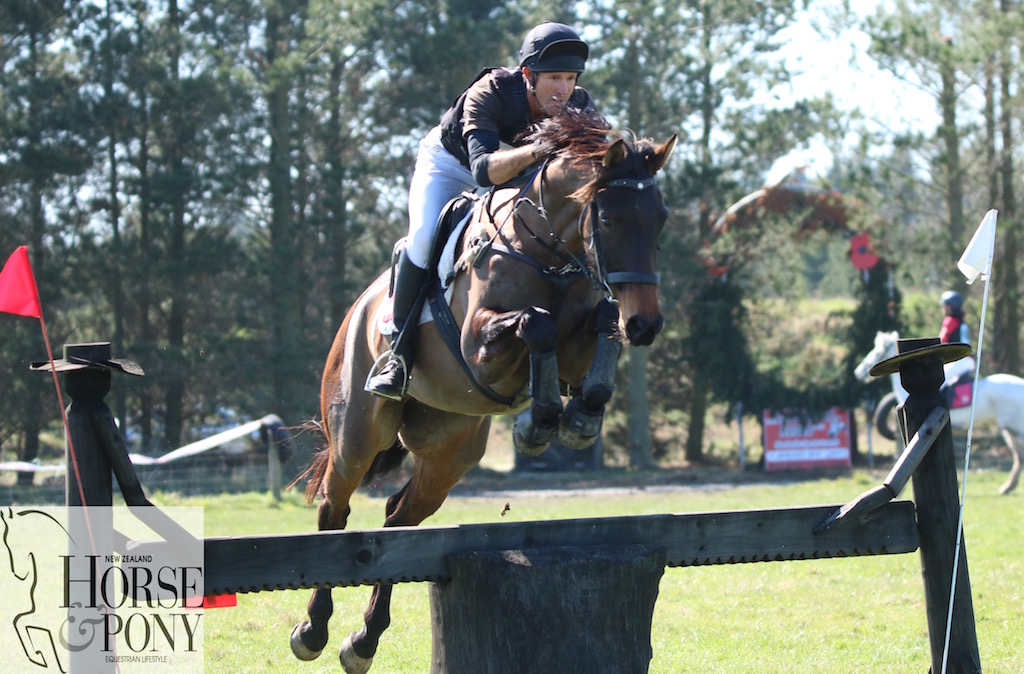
846, 615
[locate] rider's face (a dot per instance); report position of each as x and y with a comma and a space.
551, 92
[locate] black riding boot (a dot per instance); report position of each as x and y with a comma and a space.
392, 378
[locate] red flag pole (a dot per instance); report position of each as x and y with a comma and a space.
22, 298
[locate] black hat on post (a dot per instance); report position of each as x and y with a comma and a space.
91, 354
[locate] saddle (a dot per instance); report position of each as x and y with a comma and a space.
958, 392
433, 303
451, 225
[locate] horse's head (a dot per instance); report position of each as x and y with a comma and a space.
627, 216
602, 196
885, 347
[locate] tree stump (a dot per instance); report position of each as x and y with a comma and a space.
547, 610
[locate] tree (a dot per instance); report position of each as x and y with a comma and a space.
730, 52
47, 133
951, 49
637, 57
1006, 277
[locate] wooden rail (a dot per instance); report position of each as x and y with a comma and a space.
405, 554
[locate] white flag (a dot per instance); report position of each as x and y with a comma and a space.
977, 258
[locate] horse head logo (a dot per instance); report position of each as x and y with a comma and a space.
22, 532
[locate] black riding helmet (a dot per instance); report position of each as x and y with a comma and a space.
953, 299
553, 47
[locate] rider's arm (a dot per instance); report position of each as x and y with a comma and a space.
492, 166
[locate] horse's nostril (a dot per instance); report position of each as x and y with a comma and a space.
642, 330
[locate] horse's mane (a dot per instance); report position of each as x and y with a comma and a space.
582, 137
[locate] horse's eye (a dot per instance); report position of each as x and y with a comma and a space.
607, 222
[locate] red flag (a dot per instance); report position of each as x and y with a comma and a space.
862, 255
18, 292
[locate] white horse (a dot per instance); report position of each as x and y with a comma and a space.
1000, 400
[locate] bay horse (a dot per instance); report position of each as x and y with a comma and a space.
550, 280
1000, 401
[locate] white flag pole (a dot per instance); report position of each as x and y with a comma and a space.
974, 263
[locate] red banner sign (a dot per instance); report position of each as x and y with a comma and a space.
793, 441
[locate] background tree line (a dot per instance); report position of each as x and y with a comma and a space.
209, 185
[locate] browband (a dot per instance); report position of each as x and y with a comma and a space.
632, 183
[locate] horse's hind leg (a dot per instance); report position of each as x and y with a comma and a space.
342, 472
310, 636
1011, 481
447, 446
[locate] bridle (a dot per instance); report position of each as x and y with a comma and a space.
574, 267
606, 278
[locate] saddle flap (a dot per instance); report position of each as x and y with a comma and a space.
451, 226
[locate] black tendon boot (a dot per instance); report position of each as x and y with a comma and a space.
391, 380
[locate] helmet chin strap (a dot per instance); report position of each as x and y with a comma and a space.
531, 84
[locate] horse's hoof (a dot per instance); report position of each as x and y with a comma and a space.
579, 425
350, 662
301, 651
527, 438
575, 441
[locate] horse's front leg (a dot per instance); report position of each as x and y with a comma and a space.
581, 423
535, 427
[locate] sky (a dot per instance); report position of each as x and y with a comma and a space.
841, 65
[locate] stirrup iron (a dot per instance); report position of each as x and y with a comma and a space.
378, 366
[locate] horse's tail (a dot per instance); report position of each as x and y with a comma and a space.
318, 467
385, 463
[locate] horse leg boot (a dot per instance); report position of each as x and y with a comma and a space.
581, 423
534, 428
391, 380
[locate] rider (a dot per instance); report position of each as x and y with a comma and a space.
955, 329
463, 152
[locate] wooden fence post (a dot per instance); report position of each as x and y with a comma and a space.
936, 495
88, 482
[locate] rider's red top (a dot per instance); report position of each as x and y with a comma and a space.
950, 330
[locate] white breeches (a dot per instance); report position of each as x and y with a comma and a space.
437, 179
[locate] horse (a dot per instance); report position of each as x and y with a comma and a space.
1000, 400
549, 280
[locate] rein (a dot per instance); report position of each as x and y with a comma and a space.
573, 268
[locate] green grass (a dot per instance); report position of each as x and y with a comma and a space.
846, 615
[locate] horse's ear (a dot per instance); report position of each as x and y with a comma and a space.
661, 154
614, 154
